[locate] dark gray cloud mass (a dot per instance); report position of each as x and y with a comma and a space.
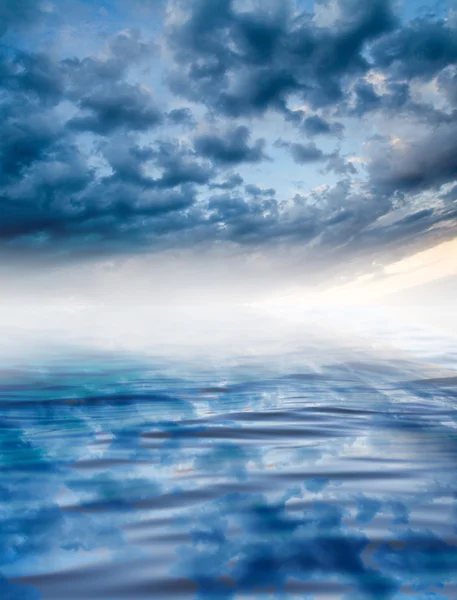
248, 62
302, 153
181, 116
99, 154
316, 125
425, 163
18, 13
122, 106
230, 148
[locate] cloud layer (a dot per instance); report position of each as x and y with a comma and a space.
255, 126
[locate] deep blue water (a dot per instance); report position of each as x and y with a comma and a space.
132, 477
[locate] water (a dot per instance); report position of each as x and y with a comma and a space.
314, 468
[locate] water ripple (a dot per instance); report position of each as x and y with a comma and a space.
124, 479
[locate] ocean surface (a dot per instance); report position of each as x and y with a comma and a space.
280, 460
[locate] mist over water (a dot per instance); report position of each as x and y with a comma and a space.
226, 452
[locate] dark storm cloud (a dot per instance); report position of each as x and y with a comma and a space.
52, 198
174, 164
316, 125
36, 75
421, 49
122, 106
181, 166
395, 99
54, 202
181, 116
77, 209
241, 221
366, 98
106, 101
233, 181
16, 14
231, 147
302, 153
339, 165
24, 141
257, 192
425, 163
95, 85
243, 63
129, 47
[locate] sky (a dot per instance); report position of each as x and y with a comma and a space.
174, 150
